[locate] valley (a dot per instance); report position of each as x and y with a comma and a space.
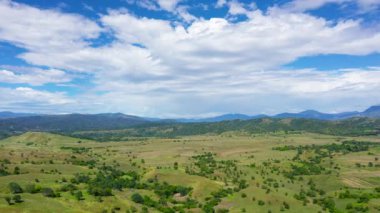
227, 172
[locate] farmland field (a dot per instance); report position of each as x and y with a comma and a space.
43, 172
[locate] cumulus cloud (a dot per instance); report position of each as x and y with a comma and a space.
259, 92
157, 67
44, 30
34, 76
168, 5
28, 99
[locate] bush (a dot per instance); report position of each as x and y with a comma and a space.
261, 203
8, 200
15, 188
32, 189
48, 192
137, 198
17, 199
68, 187
78, 195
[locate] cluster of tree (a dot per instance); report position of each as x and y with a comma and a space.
205, 165
224, 170
14, 199
344, 147
3, 167
216, 198
362, 199
76, 150
304, 168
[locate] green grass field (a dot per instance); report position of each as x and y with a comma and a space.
225, 173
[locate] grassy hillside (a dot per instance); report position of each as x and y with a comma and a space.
230, 172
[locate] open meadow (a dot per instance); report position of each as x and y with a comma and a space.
43, 172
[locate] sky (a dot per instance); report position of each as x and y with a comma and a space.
187, 58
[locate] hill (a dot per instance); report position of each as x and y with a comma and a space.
69, 123
6, 114
347, 127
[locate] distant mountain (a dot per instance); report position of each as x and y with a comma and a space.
20, 122
372, 112
312, 114
225, 117
14, 115
71, 122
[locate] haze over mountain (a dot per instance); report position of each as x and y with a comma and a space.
372, 112
110, 121
7, 114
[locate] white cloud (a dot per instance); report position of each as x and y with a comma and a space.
220, 3
259, 92
34, 76
155, 67
238, 8
44, 30
28, 99
168, 5
305, 5
368, 5
147, 4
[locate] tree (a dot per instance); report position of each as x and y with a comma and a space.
17, 199
31, 188
137, 198
15, 188
48, 192
286, 205
8, 200
16, 170
78, 195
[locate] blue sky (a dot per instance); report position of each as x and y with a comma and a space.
187, 58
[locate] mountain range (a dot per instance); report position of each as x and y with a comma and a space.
371, 112
310, 120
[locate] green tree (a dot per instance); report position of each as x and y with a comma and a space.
15, 188
17, 199
16, 170
137, 198
48, 192
78, 195
8, 200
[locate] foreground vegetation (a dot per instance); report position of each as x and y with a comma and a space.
227, 172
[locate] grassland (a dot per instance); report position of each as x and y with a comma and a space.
207, 173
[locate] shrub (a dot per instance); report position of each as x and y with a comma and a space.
8, 200
48, 192
137, 198
78, 195
15, 188
17, 199
32, 189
